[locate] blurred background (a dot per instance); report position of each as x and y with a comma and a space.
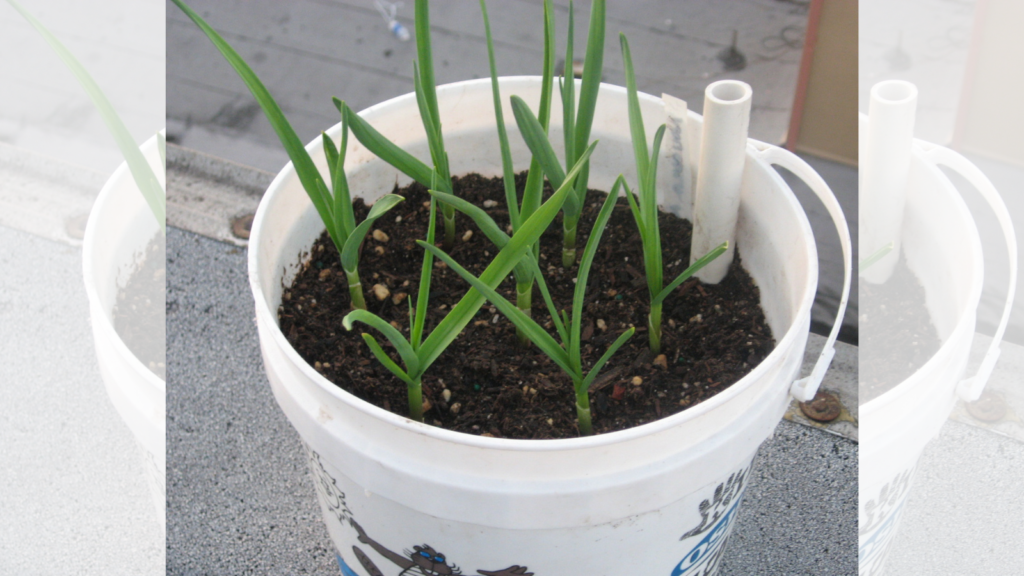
964, 58
74, 496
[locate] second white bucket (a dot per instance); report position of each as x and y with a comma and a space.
656, 499
942, 248
120, 225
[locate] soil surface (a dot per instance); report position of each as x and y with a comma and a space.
896, 332
712, 334
140, 314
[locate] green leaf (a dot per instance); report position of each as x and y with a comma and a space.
350, 250
432, 128
638, 214
636, 121
584, 270
650, 186
537, 140
386, 360
548, 74
569, 95
696, 266
423, 293
875, 257
593, 66
507, 170
385, 149
304, 167
426, 59
412, 362
528, 325
585, 384
482, 219
344, 216
142, 173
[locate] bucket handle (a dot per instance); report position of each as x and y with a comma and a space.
804, 389
970, 389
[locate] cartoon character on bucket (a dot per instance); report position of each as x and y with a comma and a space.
422, 560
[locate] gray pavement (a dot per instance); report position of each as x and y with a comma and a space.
240, 500
74, 498
964, 512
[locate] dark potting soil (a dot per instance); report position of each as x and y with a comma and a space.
896, 332
140, 313
712, 334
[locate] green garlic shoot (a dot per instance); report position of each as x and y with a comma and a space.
334, 208
567, 353
417, 357
646, 212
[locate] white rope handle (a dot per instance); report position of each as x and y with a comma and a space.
970, 389
804, 389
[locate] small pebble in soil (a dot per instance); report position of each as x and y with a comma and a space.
490, 203
637, 381
327, 364
398, 219
394, 324
325, 274
601, 325
467, 235
455, 408
398, 297
662, 361
446, 394
380, 236
427, 405
551, 421
381, 291
379, 250
696, 318
318, 365
672, 323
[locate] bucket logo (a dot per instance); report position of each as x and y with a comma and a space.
327, 487
420, 560
717, 516
881, 516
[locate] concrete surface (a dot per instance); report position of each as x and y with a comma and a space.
240, 500
310, 50
74, 498
964, 512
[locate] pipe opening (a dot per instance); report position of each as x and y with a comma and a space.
894, 91
728, 91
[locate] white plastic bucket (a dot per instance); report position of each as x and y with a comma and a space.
584, 506
119, 228
943, 249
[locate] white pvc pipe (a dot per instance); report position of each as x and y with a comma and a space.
886, 158
716, 202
